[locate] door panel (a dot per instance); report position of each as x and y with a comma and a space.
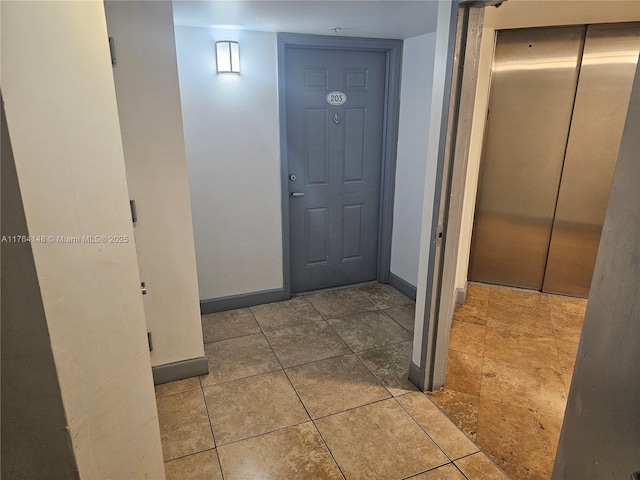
352, 231
335, 155
316, 153
606, 77
355, 125
532, 91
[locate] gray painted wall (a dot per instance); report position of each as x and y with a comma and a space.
601, 432
35, 443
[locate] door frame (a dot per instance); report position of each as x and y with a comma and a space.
393, 51
463, 52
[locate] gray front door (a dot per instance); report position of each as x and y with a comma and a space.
335, 155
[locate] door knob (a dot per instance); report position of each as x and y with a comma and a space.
297, 194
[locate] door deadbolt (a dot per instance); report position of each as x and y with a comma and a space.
292, 177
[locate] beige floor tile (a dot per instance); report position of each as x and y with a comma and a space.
391, 366
340, 303
461, 408
519, 318
539, 388
297, 311
479, 467
336, 384
293, 453
518, 435
400, 449
184, 424
446, 472
177, 387
237, 358
510, 297
451, 441
365, 331
200, 466
567, 306
475, 306
467, 337
464, 372
251, 406
404, 314
229, 324
567, 316
567, 351
306, 343
521, 348
384, 296
520, 472
523, 311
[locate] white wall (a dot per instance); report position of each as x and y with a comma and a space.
231, 127
62, 115
146, 79
33, 418
520, 14
415, 107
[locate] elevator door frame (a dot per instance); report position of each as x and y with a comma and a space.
465, 119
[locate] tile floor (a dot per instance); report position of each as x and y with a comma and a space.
312, 388
511, 357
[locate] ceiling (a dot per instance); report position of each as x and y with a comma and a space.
356, 18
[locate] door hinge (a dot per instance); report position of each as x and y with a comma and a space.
134, 212
437, 237
143, 288
150, 341
112, 50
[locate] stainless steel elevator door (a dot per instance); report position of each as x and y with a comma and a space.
550, 151
606, 77
532, 91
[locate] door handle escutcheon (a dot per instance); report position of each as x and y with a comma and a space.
297, 194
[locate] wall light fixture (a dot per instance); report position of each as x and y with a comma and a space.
227, 57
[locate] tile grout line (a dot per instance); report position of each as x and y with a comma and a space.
206, 406
181, 391
484, 346
425, 432
446, 414
241, 378
263, 332
189, 455
292, 387
305, 407
279, 429
398, 323
431, 470
356, 353
545, 310
358, 357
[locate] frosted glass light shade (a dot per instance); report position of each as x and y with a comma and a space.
228, 57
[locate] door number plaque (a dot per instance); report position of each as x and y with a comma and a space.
336, 98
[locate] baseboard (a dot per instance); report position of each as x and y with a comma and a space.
461, 294
402, 286
242, 300
179, 370
415, 377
